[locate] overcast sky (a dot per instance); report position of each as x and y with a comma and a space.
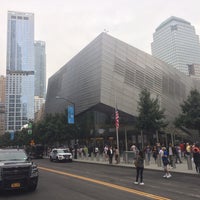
67, 26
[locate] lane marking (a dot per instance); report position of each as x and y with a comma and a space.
145, 194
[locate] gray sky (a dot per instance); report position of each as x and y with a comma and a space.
67, 26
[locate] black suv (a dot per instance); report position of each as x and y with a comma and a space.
17, 171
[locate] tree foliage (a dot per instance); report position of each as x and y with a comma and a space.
151, 117
190, 116
52, 129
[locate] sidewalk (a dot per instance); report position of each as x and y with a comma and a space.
179, 168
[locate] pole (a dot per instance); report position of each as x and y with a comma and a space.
142, 139
126, 144
117, 136
117, 124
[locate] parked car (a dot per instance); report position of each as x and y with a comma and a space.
17, 171
60, 155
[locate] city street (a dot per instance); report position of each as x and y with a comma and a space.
86, 181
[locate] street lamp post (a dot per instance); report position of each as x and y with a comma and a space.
71, 114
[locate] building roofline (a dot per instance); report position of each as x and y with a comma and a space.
171, 19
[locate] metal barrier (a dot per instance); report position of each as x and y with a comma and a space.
147, 159
129, 156
159, 161
189, 162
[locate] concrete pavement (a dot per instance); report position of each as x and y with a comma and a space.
184, 167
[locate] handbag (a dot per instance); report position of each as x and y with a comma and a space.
135, 163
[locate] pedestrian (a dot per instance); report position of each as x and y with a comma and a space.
155, 153
134, 149
139, 164
110, 154
116, 155
148, 152
105, 152
171, 152
178, 154
188, 150
196, 158
166, 162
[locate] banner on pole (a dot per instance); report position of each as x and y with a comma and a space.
70, 114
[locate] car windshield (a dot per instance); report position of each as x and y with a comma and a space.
12, 155
62, 151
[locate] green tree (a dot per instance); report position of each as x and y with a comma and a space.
150, 118
190, 116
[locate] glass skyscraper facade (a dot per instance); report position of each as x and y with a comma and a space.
40, 69
176, 43
19, 70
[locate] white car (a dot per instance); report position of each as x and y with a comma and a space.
60, 155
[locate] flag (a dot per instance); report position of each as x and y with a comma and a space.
116, 118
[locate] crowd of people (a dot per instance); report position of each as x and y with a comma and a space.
169, 156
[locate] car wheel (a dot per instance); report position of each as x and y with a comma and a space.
32, 188
33, 185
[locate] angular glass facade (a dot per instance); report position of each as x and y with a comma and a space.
109, 72
19, 70
176, 43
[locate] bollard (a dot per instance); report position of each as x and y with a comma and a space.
173, 162
146, 159
189, 162
159, 160
92, 156
97, 157
126, 157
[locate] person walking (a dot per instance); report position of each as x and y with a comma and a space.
155, 153
165, 163
148, 152
110, 154
134, 149
139, 164
117, 155
196, 158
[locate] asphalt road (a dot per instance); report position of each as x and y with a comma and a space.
83, 181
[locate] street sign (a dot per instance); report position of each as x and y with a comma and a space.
30, 125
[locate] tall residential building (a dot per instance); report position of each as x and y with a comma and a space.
19, 70
40, 69
176, 43
2, 88
2, 104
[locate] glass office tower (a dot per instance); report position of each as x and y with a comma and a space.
176, 43
19, 70
40, 69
